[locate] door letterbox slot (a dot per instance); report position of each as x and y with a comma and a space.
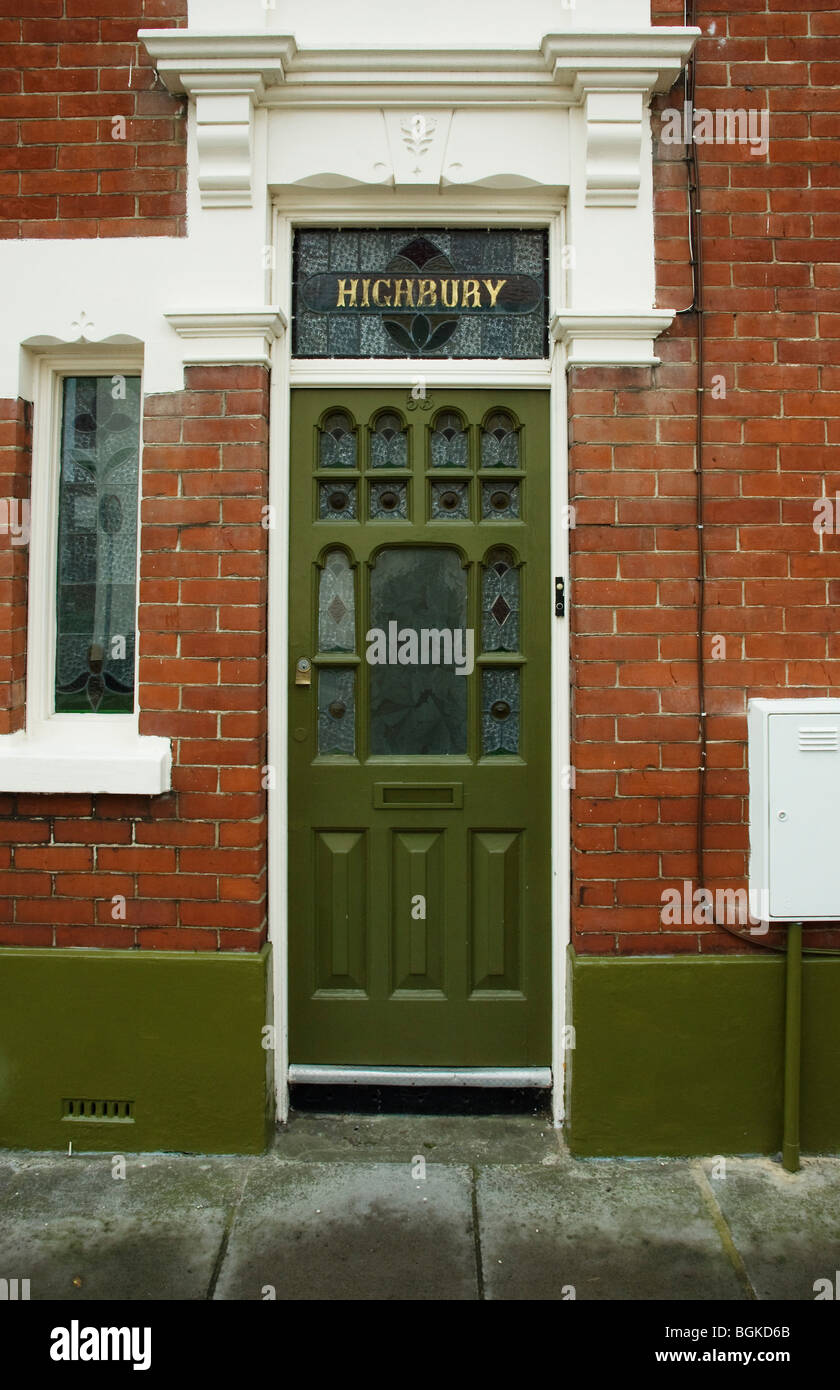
440, 796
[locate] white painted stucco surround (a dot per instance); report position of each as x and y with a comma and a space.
536, 113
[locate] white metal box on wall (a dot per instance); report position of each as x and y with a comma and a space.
794, 765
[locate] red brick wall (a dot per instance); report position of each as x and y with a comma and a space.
772, 291
192, 864
15, 462
67, 68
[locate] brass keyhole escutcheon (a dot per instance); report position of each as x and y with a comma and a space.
303, 671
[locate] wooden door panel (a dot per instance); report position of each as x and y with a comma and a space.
419, 923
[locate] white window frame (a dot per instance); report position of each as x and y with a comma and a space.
71, 752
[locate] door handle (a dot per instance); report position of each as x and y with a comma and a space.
303, 671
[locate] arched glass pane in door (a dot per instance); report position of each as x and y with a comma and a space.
416, 643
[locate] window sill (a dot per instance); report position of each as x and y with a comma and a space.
70, 759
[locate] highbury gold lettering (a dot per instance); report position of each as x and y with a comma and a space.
449, 292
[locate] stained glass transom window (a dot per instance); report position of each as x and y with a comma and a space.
338, 441
97, 545
408, 292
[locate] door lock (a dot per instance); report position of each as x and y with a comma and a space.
303, 671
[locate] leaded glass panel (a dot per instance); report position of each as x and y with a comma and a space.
337, 501
418, 609
500, 603
338, 441
408, 292
97, 545
389, 442
336, 711
388, 501
336, 605
450, 501
500, 442
499, 711
449, 441
499, 501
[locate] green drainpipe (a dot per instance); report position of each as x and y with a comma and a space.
793, 1047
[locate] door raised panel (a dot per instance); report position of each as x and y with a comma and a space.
496, 909
418, 909
340, 894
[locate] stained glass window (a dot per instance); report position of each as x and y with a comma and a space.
388, 443
336, 711
336, 605
499, 501
433, 292
337, 501
450, 445
96, 579
418, 604
388, 501
500, 602
338, 441
500, 442
450, 501
499, 711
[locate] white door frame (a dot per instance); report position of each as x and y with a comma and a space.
348, 207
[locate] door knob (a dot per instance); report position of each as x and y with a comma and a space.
303, 671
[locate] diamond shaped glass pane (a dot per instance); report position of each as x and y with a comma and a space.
336, 605
500, 602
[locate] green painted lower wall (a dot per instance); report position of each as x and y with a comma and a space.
179, 1034
684, 1055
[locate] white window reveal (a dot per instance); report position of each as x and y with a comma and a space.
82, 720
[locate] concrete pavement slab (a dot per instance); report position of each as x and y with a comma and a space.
608, 1229
352, 1231
785, 1225
78, 1233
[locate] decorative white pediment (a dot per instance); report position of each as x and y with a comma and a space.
610, 75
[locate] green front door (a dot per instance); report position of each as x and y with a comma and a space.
419, 912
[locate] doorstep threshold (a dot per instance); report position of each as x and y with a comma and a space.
304, 1074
